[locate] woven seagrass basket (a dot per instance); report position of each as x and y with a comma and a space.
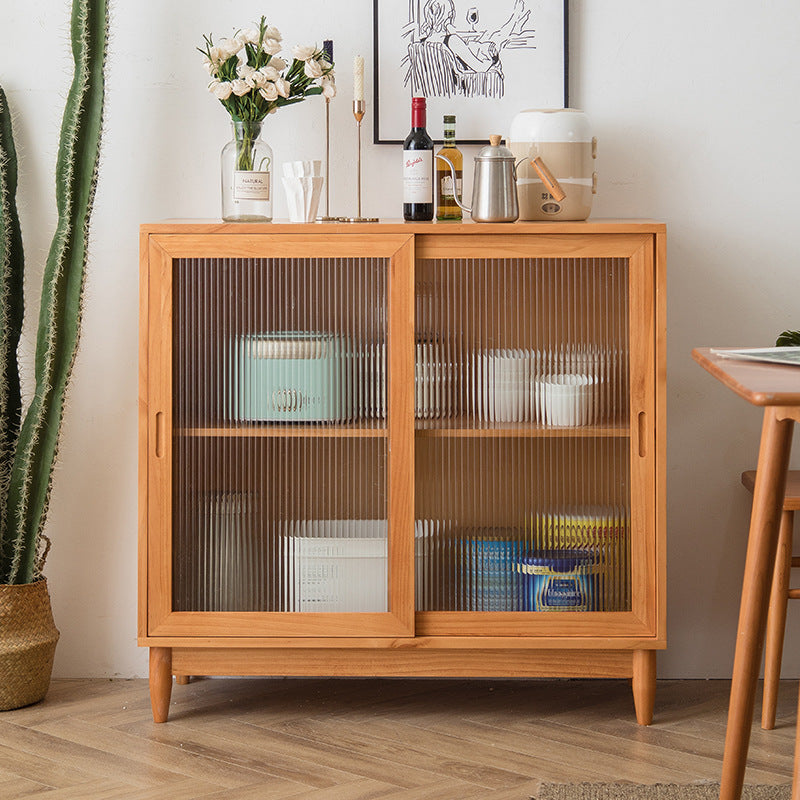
28, 639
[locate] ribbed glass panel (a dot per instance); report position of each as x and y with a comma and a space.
523, 435
279, 447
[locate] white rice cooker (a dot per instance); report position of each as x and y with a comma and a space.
556, 179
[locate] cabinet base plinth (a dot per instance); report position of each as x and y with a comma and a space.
637, 665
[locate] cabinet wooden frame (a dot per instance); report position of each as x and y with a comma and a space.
161, 620
422, 642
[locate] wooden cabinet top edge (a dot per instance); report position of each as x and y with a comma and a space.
593, 226
413, 643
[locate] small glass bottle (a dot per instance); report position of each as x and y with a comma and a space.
246, 164
446, 206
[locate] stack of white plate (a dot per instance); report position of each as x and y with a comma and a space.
572, 385
371, 383
228, 574
434, 382
503, 381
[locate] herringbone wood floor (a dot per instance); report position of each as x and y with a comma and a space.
357, 739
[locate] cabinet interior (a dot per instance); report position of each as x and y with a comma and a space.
281, 369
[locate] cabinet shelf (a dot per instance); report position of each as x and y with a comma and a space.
354, 431
515, 430
428, 429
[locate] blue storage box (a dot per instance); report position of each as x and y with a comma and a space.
291, 376
492, 582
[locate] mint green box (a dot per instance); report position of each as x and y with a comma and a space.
291, 376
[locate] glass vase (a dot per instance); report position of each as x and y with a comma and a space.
246, 163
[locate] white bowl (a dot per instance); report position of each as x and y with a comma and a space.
568, 400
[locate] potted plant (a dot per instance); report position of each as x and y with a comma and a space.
29, 437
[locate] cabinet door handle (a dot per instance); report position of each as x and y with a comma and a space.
642, 432
159, 434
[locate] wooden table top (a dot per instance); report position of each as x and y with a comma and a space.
761, 384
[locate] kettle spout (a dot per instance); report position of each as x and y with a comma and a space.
455, 191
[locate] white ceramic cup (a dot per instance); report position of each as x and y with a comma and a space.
568, 400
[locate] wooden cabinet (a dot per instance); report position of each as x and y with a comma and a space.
402, 449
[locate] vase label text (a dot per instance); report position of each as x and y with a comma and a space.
251, 185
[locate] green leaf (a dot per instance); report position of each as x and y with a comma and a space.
788, 339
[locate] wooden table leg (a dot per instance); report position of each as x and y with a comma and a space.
773, 462
160, 682
776, 620
644, 685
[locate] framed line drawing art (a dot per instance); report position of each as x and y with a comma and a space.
482, 60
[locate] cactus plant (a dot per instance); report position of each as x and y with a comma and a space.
29, 443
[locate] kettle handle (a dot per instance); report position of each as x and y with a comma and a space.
548, 179
455, 191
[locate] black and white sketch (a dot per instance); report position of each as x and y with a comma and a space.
449, 57
483, 60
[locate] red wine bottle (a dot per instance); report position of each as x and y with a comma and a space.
418, 167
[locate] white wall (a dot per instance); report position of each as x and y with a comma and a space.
695, 108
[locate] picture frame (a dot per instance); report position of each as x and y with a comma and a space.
471, 58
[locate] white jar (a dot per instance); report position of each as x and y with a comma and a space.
562, 139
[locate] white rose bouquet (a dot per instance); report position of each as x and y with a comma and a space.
251, 80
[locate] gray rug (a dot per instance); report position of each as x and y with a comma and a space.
659, 791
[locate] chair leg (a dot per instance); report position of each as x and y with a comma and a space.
776, 621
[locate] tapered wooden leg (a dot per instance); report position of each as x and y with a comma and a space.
160, 682
776, 621
644, 685
762, 543
183, 680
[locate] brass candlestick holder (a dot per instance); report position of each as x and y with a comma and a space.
327, 217
359, 109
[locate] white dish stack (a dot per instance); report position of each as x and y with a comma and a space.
434, 383
569, 387
371, 383
503, 380
230, 574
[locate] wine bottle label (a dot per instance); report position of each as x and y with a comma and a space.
250, 185
447, 186
417, 176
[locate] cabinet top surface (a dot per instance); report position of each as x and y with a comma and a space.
208, 226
